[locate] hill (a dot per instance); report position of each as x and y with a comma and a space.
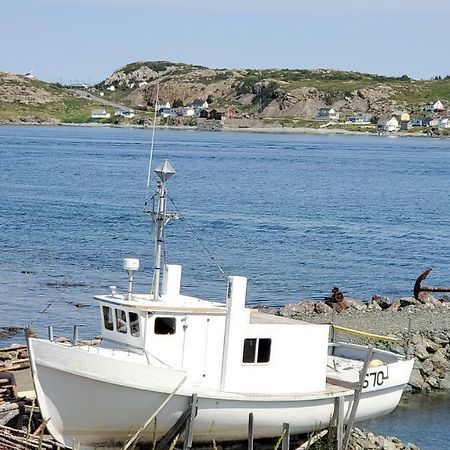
288, 97
274, 93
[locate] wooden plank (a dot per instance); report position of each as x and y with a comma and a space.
356, 399
343, 383
250, 431
189, 433
285, 442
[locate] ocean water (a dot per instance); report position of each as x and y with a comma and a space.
296, 214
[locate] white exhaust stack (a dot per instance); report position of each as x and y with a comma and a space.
171, 281
237, 318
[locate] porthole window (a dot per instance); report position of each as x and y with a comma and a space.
134, 324
256, 351
121, 321
165, 325
108, 318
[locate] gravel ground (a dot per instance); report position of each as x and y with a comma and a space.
384, 322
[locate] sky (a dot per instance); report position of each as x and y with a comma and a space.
86, 40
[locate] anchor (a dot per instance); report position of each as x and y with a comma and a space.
418, 288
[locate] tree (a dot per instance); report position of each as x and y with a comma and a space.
178, 103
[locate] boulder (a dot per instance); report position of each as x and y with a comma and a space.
356, 304
408, 301
444, 383
322, 308
382, 301
416, 381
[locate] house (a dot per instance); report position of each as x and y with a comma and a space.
229, 113
430, 121
163, 105
417, 122
327, 114
30, 75
434, 106
388, 124
406, 125
124, 112
360, 119
444, 122
212, 114
184, 111
100, 114
199, 104
166, 112
403, 116
111, 88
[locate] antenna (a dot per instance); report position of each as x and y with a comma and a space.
149, 173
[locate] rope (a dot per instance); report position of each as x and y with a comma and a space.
191, 228
364, 334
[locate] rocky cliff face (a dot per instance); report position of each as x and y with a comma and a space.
277, 93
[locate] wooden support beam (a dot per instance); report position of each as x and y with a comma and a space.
250, 431
356, 399
285, 442
189, 433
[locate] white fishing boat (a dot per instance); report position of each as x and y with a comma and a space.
163, 350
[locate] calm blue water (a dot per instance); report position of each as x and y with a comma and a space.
297, 215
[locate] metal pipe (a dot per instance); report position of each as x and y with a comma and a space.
75, 335
50, 333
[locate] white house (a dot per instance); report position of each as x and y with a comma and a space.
163, 105
388, 124
360, 119
100, 114
185, 111
111, 88
327, 114
124, 112
444, 122
198, 104
166, 112
434, 106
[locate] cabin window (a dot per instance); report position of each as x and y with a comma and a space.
121, 321
134, 324
108, 318
256, 351
165, 325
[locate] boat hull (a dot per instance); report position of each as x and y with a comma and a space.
89, 410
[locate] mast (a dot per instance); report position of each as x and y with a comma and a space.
164, 171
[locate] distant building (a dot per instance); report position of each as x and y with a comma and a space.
124, 112
184, 111
417, 122
434, 106
406, 125
100, 114
166, 112
444, 122
329, 114
111, 88
360, 119
77, 86
212, 114
29, 75
430, 121
199, 104
388, 124
165, 105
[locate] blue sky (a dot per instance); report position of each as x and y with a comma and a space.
86, 40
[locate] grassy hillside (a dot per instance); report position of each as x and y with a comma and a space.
289, 96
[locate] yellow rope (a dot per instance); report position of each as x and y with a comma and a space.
368, 335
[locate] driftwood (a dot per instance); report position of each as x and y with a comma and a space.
20, 440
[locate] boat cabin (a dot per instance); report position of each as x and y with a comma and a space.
223, 346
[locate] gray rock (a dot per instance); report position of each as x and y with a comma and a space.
322, 308
408, 301
381, 301
416, 381
444, 383
427, 367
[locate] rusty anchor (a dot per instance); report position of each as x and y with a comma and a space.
418, 288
